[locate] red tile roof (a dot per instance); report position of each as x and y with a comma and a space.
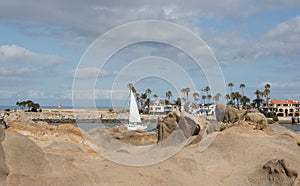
274, 101
294, 102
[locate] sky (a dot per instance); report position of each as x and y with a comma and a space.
44, 46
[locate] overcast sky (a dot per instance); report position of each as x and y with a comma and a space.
42, 42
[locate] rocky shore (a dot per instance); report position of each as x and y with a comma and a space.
79, 116
240, 149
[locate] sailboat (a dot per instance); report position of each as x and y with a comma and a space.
135, 122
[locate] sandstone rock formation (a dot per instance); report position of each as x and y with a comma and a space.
239, 155
229, 116
19, 119
23, 156
132, 137
257, 120
185, 123
167, 125
233, 115
4, 171
279, 174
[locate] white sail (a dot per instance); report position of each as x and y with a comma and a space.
134, 116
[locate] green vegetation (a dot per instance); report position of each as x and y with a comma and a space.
30, 105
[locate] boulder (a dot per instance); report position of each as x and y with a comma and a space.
257, 120
220, 111
23, 156
188, 124
233, 115
278, 173
167, 125
3, 167
181, 127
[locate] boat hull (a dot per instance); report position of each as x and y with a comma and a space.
136, 127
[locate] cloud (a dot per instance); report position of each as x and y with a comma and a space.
80, 20
19, 55
281, 42
20, 62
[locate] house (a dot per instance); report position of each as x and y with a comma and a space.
161, 109
283, 108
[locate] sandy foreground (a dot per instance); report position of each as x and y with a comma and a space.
60, 156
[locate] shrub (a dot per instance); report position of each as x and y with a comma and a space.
275, 118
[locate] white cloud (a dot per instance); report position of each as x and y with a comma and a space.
81, 20
282, 41
19, 55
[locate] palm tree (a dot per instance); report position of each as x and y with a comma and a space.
216, 98
258, 100
232, 97
237, 96
178, 103
186, 91
169, 95
196, 96
148, 91
209, 98
137, 98
267, 91
204, 98
245, 100
231, 85
207, 89
155, 97
142, 99
227, 97
131, 87
267, 86
242, 86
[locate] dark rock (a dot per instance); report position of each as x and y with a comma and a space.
167, 125
180, 128
220, 112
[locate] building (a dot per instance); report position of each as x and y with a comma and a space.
283, 108
161, 109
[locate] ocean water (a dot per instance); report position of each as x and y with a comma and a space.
295, 128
